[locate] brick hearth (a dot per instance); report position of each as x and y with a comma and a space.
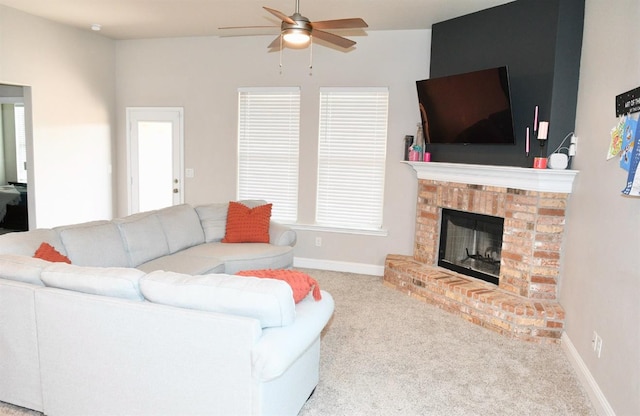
524, 304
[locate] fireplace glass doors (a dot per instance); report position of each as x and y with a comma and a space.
471, 244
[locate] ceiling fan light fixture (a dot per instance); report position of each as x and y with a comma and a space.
296, 36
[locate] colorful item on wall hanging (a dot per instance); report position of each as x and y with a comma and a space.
633, 156
628, 142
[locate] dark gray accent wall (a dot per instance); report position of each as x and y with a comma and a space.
540, 42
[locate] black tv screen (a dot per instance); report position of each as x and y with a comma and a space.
469, 108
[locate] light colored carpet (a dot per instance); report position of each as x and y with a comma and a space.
384, 353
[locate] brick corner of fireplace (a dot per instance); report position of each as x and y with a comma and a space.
484, 304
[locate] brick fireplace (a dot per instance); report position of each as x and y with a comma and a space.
532, 202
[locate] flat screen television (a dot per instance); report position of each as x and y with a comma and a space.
469, 108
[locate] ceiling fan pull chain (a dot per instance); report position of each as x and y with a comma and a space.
310, 55
280, 53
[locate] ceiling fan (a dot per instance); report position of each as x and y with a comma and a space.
296, 30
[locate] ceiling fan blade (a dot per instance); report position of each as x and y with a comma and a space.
354, 23
275, 44
334, 39
280, 15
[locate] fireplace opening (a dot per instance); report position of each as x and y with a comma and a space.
471, 244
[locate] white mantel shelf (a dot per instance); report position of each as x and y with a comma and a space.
542, 180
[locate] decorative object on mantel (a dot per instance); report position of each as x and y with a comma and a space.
625, 139
408, 142
540, 132
418, 148
559, 160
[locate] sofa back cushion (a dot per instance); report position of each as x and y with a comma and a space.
213, 219
22, 268
181, 227
105, 281
96, 243
143, 237
267, 300
26, 243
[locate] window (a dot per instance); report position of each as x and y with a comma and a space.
268, 142
351, 157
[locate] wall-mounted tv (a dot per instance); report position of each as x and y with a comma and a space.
469, 108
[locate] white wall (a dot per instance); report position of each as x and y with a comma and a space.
601, 279
203, 74
71, 75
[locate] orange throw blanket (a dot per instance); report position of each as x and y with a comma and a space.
301, 283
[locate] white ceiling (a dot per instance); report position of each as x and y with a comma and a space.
135, 19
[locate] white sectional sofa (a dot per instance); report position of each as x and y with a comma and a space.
155, 324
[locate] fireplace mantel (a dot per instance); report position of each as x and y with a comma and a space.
542, 180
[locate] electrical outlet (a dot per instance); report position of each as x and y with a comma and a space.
318, 241
596, 343
573, 147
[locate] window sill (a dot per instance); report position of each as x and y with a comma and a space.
382, 232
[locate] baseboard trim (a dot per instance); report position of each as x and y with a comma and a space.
584, 375
339, 266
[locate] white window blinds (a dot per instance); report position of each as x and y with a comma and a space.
268, 137
351, 157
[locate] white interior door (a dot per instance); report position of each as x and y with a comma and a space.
155, 147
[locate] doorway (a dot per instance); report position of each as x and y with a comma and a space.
155, 157
16, 175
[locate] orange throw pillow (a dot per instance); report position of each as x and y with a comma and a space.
301, 283
47, 252
247, 225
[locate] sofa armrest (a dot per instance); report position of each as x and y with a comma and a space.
280, 347
281, 235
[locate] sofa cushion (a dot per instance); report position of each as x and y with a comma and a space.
245, 256
247, 225
183, 262
267, 300
26, 243
96, 243
117, 282
213, 218
143, 236
181, 227
22, 268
